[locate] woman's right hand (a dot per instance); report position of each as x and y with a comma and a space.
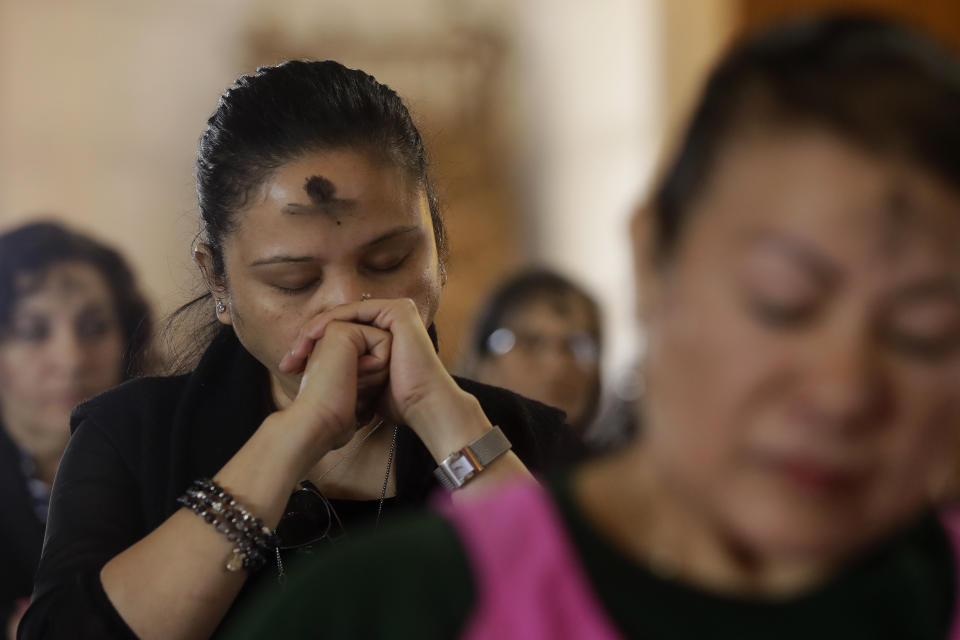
342, 379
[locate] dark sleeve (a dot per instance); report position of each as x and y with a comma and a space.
16, 568
408, 580
94, 515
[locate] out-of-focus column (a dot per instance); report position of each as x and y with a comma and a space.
600, 85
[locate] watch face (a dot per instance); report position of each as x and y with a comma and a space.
461, 467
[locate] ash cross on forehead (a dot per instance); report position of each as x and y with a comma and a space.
319, 189
322, 194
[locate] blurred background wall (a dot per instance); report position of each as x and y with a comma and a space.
546, 119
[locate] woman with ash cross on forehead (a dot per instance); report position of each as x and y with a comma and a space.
320, 400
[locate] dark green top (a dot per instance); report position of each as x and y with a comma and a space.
412, 580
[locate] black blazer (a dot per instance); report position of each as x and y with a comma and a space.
136, 448
21, 532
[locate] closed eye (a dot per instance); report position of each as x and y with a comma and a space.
925, 329
386, 266
785, 282
923, 320
290, 291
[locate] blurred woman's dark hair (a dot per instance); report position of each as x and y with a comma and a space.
32, 249
277, 115
874, 83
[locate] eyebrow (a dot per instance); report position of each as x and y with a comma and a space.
279, 259
288, 258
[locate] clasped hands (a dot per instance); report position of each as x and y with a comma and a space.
376, 357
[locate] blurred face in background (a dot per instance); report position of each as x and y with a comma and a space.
803, 373
547, 350
63, 345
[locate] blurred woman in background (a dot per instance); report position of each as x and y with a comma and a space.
800, 285
72, 325
538, 334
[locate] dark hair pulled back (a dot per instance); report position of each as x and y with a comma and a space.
875, 83
282, 112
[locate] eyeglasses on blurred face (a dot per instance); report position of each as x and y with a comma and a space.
580, 346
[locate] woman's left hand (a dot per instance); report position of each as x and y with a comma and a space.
420, 392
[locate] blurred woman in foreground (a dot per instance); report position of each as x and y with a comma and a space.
72, 325
800, 283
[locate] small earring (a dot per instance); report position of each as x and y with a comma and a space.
221, 308
364, 297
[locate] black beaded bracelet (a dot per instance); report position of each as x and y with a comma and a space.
247, 552
251, 537
222, 502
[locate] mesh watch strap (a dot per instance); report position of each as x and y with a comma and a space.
489, 446
459, 468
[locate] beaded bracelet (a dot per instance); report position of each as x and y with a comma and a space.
251, 537
237, 515
246, 554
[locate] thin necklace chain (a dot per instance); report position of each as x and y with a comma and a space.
386, 476
349, 454
281, 574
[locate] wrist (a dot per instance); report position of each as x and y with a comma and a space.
299, 448
448, 423
263, 473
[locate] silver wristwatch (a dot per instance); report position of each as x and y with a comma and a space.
458, 468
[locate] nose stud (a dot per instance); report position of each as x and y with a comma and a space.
364, 297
